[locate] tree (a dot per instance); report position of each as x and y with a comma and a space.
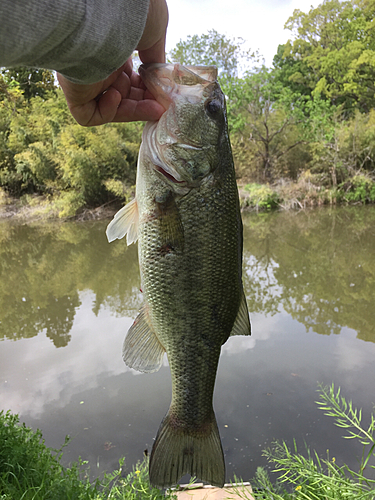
31, 81
336, 43
213, 49
264, 115
292, 73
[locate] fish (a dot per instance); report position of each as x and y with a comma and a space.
186, 218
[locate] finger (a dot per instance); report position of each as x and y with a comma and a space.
136, 81
146, 110
128, 66
136, 94
98, 112
156, 53
107, 107
123, 85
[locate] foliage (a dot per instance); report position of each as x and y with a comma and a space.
31, 471
313, 478
265, 126
336, 44
361, 188
313, 111
261, 196
42, 150
32, 82
135, 485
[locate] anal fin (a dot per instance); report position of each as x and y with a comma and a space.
242, 323
142, 349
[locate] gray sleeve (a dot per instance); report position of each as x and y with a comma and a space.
85, 40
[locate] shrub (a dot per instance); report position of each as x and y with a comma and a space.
28, 469
361, 188
260, 196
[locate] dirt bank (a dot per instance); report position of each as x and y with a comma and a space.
13, 208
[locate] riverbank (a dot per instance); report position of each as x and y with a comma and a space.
38, 208
306, 192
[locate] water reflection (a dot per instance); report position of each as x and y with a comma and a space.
305, 273
318, 266
43, 268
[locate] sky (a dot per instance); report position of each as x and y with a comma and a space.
259, 23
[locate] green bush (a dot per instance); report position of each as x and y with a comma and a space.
361, 188
261, 196
30, 470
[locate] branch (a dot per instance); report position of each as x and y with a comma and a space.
289, 148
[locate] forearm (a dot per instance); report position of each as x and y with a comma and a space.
85, 40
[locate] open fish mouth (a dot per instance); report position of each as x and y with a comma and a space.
166, 81
169, 176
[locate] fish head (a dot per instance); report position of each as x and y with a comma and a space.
184, 144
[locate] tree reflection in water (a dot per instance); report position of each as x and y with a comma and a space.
44, 267
318, 265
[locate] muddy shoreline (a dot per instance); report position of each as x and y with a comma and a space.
15, 209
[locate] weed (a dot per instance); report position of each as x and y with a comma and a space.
314, 478
31, 471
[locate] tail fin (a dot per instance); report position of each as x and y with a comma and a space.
177, 451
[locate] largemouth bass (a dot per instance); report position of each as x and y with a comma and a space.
186, 217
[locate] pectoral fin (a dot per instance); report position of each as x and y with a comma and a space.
242, 323
142, 349
170, 224
124, 222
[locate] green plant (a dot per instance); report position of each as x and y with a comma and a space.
31, 471
261, 196
361, 188
315, 478
134, 486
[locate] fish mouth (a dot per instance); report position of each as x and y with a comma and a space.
169, 176
170, 81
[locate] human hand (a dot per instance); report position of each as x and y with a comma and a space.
122, 97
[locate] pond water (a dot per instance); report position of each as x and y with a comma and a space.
67, 299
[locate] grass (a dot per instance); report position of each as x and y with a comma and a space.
31, 471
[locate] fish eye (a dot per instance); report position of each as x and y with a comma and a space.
213, 107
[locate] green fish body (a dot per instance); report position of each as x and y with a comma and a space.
187, 219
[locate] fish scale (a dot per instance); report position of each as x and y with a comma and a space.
188, 223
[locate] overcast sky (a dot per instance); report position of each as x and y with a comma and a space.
259, 23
